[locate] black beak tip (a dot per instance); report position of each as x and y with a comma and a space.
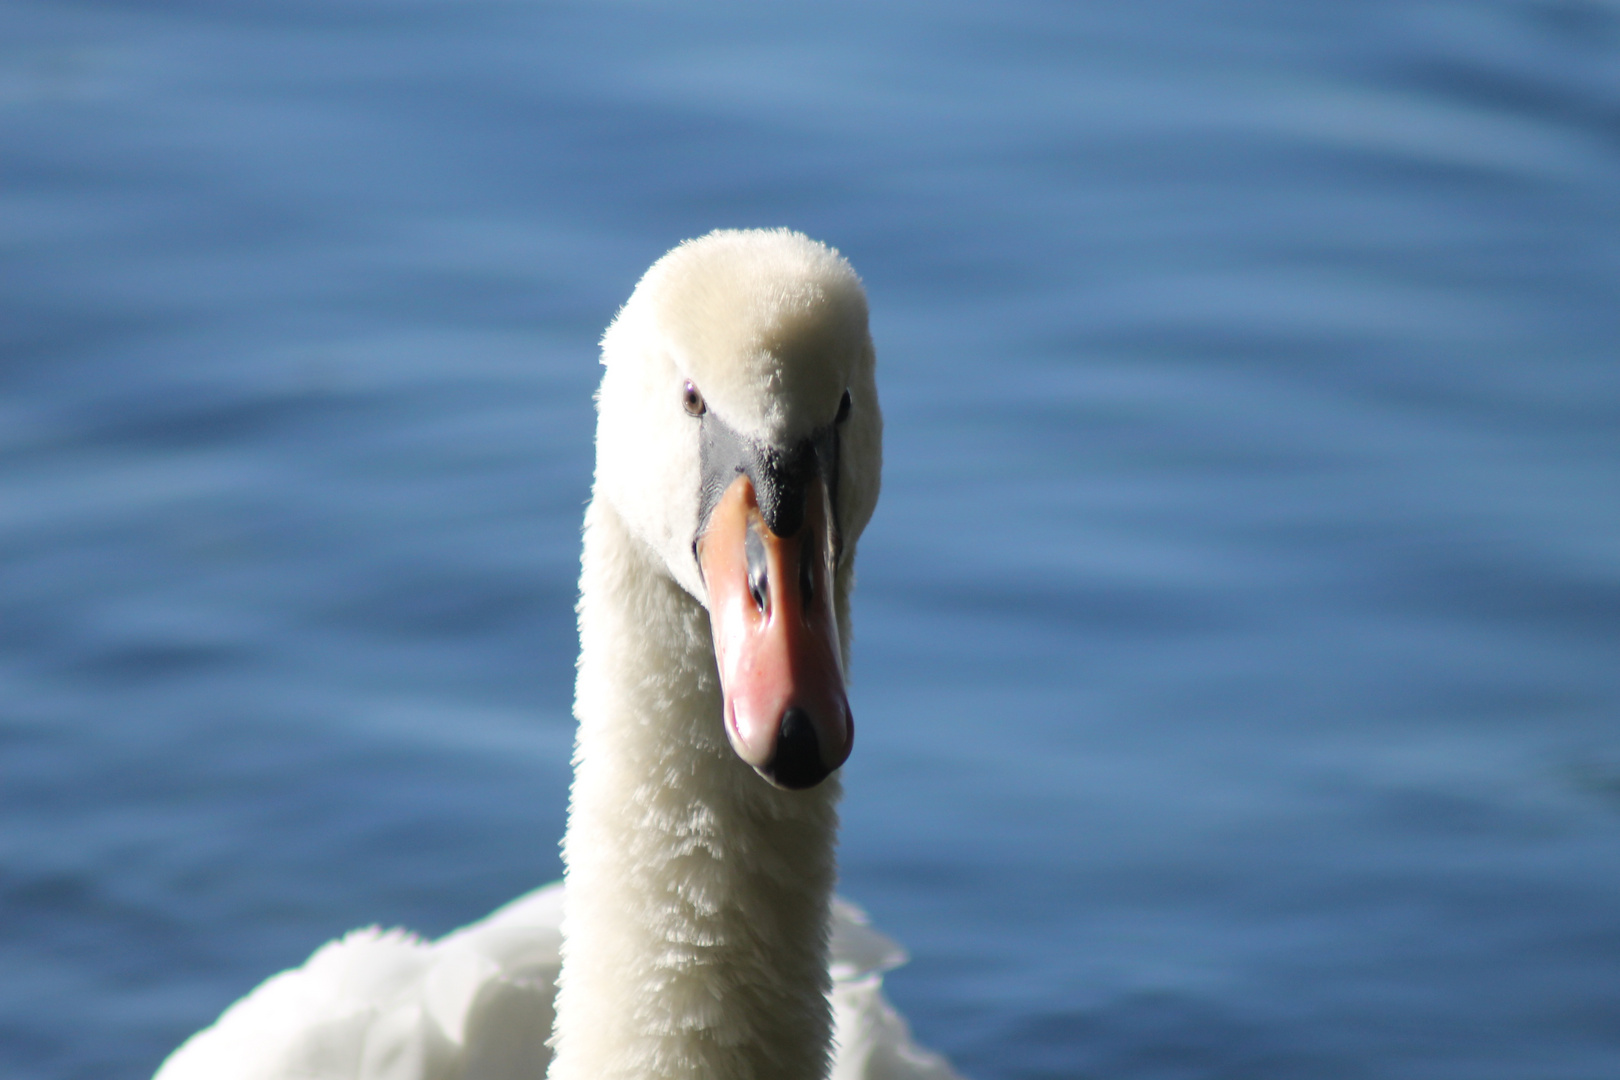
797, 763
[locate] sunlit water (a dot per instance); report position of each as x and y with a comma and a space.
1238, 642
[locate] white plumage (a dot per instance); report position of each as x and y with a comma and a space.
477, 1005
697, 936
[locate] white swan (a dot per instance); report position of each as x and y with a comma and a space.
738, 459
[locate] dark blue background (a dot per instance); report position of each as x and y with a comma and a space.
1238, 644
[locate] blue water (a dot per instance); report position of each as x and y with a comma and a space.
1238, 640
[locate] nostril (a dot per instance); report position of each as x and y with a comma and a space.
807, 573
797, 763
759, 580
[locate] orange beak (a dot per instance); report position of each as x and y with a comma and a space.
776, 638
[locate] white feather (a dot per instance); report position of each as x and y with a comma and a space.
477, 1005
698, 936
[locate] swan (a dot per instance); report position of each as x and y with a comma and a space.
695, 933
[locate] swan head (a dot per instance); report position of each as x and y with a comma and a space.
739, 437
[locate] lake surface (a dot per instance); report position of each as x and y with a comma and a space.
1238, 643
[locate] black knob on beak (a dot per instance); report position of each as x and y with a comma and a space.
797, 763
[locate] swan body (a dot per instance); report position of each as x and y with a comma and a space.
477, 1005
738, 460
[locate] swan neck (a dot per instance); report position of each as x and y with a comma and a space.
696, 913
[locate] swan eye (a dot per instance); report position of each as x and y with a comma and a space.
843, 409
692, 399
